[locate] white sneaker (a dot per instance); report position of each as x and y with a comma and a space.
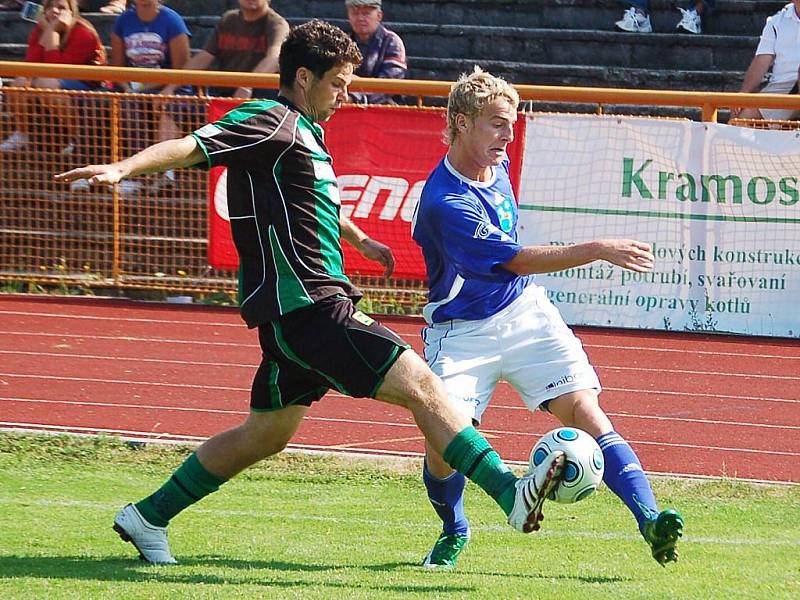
690, 21
634, 22
149, 540
162, 182
130, 187
15, 142
533, 489
79, 185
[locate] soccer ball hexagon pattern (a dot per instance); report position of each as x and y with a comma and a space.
583, 471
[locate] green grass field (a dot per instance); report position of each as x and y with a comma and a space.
303, 526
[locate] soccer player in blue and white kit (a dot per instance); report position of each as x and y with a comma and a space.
488, 320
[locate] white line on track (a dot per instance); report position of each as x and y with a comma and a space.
90, 403
129, 382
128, 338
498, 432
692, 351
495, 406
701, 395
690, 372
116, 319
131, 359
255, 347
413, 331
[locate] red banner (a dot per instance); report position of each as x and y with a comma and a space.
382, 156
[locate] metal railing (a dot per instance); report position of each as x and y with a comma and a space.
155, 236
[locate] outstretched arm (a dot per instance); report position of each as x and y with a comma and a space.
171, 154
628, 254
369, 248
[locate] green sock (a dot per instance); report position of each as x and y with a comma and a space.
188, 484
470, 454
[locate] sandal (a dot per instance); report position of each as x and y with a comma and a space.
114, 7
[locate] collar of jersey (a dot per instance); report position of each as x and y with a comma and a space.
460, 177
316, 127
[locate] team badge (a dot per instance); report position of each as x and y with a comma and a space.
506, 211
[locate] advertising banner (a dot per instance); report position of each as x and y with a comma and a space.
382, 156
719, 204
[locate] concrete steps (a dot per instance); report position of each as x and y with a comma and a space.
548, 42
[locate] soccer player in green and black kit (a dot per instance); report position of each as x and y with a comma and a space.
284, 211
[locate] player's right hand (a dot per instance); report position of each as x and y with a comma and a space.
101, 174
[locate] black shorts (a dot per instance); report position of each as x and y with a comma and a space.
327, 345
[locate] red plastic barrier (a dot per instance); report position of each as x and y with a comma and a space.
382, 156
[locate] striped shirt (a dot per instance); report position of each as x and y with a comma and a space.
283, 203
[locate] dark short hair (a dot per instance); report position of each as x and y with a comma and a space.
318, 46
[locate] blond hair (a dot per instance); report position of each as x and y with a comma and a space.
470, 95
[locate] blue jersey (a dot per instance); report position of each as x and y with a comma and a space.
147, 44
467, 230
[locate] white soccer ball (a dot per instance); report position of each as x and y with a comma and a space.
583, 471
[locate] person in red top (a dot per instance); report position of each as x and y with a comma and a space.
61, 36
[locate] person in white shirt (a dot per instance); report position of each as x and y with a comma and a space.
778, 49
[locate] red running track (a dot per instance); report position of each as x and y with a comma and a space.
690, 404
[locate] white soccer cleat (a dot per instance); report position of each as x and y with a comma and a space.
690, 21
533, 489
149, 540
633, 21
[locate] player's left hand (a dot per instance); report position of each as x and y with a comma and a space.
374, 250
628, 254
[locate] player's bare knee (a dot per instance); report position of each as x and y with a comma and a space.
426, 392
581, 409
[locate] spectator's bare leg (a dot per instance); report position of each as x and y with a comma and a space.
15, 106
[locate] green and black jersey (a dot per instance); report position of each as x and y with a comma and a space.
283, 203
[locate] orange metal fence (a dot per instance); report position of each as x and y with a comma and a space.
151, 233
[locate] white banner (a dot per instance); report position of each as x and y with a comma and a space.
719, 204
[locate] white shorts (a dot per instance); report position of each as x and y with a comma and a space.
526, 344
778, 114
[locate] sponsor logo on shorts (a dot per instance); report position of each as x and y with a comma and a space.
565, 379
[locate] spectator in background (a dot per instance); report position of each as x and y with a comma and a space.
383, 50
779, 49
60, 36
247, 39
636, 18
151, 36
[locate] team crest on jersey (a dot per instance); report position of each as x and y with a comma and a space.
506, 211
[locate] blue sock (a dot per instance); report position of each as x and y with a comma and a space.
624, 476
447, 498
